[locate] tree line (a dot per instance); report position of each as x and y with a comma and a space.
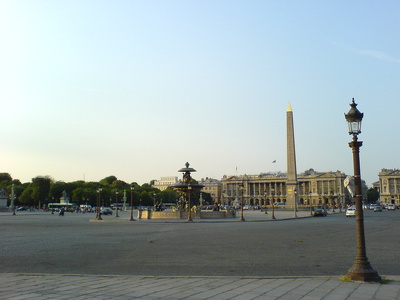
43, 190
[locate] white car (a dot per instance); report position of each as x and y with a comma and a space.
351, 211
391, 207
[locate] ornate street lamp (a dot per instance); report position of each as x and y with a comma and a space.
295, 204
116, 202
132, 219
310, 202
241, 186
154, 201
273, 206
361, 269
98, 204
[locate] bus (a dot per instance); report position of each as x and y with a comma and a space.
120, 206
67, 206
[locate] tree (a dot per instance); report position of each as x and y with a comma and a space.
5, 177
40, 189
169, 196
26, 197
56, 190
372, 195
108, 180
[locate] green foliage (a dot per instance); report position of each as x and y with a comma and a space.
168, 196
108, 180
5, 177
372, 195
45, 190
26, 197
40, 188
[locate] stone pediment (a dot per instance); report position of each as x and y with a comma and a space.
323, 175
390, 172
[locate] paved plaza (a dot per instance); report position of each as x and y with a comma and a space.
54, 286
47, 278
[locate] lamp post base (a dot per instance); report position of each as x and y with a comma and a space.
362, 271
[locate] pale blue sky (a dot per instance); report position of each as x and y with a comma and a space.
137, 88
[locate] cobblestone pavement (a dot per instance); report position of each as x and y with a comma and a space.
51, 286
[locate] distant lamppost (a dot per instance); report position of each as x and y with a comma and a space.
295, 204
241, 185
154, 201
189, 189
265, 203
98, 204
361, 269
116, 202
310, 202
140, 209
13, 199
132, 219
273, 206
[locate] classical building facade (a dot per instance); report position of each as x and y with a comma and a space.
165, 182
213, 187
315, 188
389, 186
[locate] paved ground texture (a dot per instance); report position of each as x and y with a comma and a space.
53, 286
25, 248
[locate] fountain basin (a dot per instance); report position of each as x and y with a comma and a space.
204, 214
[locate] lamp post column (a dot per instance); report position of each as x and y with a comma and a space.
116, 202
98, 204
265, 203
189, 189
310, 202
361, 269
295, 204
273, 205
241, 202
132, 219
13, 199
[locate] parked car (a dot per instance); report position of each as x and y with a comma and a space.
105, 211
391, 207
320, 212
377, 208
351, 211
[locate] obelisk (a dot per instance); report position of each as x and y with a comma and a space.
291, 183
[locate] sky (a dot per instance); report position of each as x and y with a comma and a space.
136, 89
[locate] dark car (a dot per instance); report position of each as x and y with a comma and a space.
105, 211
319, 212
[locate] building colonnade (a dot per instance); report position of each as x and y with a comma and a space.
313, 188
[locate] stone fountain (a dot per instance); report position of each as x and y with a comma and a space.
184, 209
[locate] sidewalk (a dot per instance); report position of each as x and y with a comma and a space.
54, 286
